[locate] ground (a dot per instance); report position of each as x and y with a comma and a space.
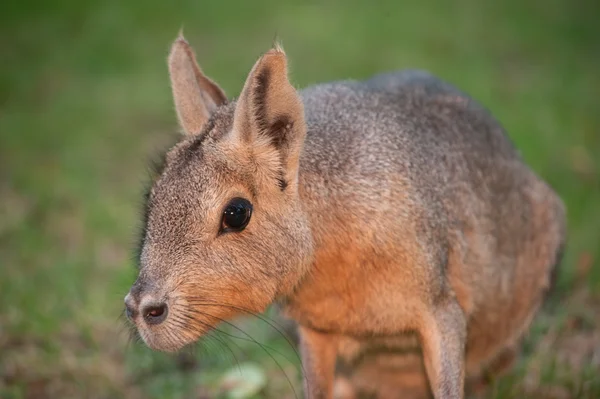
85, 103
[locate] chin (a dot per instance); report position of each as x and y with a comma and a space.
167, 340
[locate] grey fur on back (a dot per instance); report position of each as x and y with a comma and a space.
408, 122
405, 146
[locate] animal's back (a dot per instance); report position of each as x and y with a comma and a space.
407, 122
407, 151
408, 136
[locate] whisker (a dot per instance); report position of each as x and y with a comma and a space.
170, 336
184, 325
121, 316
134, 335
264, 318
272, 324
249, 340
253, 340
224, 343
181, 324
284, 335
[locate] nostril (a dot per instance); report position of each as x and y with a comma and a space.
155, 314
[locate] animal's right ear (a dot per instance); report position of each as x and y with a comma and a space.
195, 96
270, 114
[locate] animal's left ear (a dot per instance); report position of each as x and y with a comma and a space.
194, 94
270, 109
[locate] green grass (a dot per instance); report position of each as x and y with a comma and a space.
85, 101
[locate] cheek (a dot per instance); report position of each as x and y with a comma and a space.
223, 296
280, 251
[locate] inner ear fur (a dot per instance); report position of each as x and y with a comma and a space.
195, 95
269, 107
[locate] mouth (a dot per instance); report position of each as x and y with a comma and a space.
166, 341
169, 319
169, 328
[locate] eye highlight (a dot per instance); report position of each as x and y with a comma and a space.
236, 215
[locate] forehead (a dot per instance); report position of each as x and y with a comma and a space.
196, 179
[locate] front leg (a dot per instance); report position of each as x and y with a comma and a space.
443, 334
318, 351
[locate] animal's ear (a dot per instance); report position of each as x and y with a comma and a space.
270, 108
195, 96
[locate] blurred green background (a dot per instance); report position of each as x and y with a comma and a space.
85, 103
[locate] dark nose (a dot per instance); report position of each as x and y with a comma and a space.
130, 307
152, 312
155, 313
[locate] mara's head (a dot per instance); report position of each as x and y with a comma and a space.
224, 233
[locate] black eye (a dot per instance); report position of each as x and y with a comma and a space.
236, 215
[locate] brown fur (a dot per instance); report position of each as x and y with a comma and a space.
392, 219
